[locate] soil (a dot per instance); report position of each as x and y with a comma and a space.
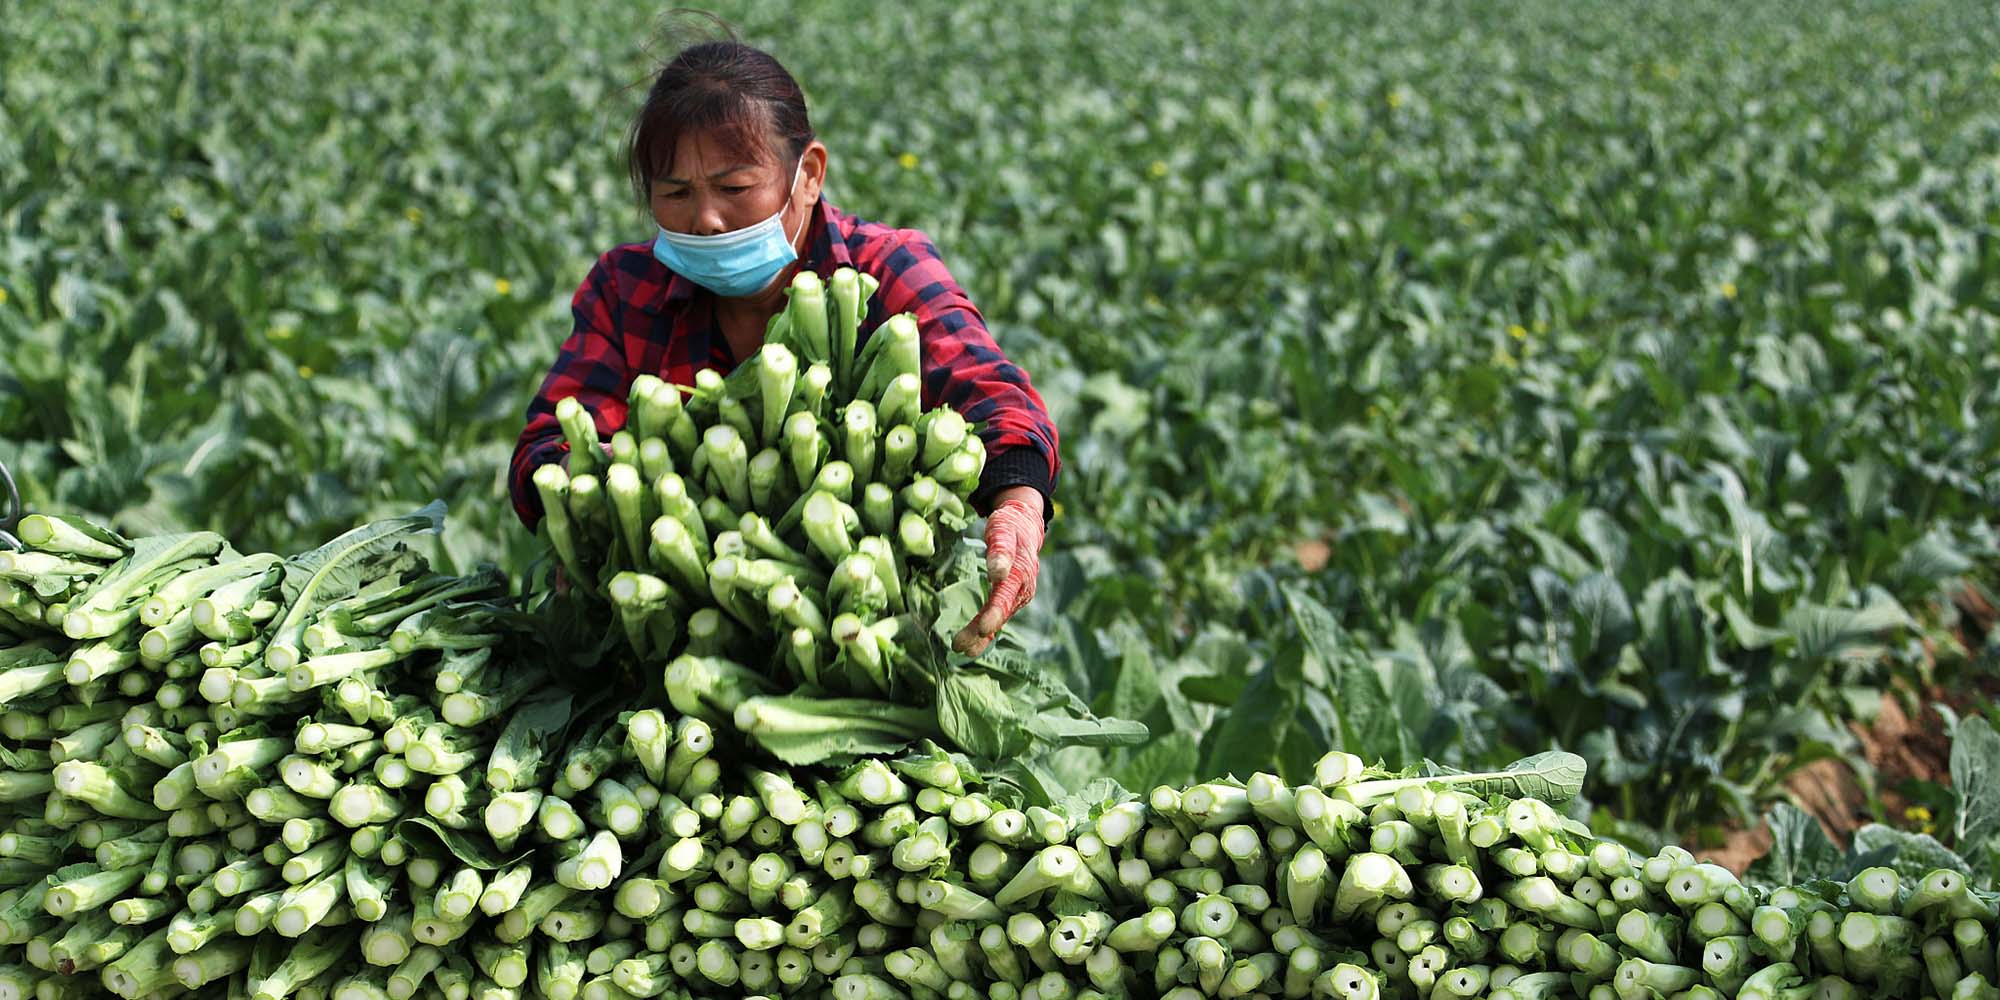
1901, 749
1313, 555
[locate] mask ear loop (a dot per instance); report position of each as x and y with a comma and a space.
797, 172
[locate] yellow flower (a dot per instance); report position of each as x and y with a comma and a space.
1517, 331
305, 371
3, 296
282, 332
1158, 169
413, 214
1058, 508
1729, 290
908, 160
1504, 359
1395, 99
501, 286
177, 212
1917, 814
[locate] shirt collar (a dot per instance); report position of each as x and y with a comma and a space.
826, 253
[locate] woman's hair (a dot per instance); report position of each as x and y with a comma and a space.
735, 92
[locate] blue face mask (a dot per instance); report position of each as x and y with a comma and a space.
735, 264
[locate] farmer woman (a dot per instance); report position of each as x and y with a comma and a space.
724, 155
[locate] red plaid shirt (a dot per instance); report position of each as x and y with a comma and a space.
633, 315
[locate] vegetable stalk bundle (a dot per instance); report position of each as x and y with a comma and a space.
797, 517
375, 784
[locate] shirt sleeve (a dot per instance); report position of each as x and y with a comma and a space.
965, 369
590, 366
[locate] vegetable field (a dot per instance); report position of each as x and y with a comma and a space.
1443, 382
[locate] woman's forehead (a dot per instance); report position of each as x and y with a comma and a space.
700, 152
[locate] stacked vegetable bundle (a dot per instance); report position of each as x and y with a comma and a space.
795, 516
343, 776
663, 862
213, 760
906, 879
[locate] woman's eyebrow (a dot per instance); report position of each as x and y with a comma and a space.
718, 175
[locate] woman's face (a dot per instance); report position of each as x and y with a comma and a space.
710, 189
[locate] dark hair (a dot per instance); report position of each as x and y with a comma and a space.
734, 91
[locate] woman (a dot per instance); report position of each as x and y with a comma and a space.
724, 155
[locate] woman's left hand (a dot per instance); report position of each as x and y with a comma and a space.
1013, 563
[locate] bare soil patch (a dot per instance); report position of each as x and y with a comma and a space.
1900, 745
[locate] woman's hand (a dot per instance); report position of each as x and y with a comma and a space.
1013, 564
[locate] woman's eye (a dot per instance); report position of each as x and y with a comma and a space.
674, 194
734, 189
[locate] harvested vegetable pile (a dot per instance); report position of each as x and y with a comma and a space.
792, 514
415, 804
782, 549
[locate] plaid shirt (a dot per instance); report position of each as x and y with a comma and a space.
633, 315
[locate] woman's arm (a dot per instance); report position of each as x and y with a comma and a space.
591, 366
965, 369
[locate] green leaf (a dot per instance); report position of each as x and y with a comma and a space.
1258, 723
1975, 778
977, 715
1826, 633
1602, 616
126, 580
1085, 804
1062, 730
1935, 558
1137, 689
962, 592
1800, 849
539, 722
1554, 776
1215, 689
470, 849
1169, 760
1606, 540
806, 749
1912, 855
1379, 513
1558, 554
339, 568
1371, 723
1747, 633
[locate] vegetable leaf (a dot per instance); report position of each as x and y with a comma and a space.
977, 715
338, 568
476, 852
1800, 850
801, 729
1912, 855
1975, 776
1380, 716
1555, 776
1169, 760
